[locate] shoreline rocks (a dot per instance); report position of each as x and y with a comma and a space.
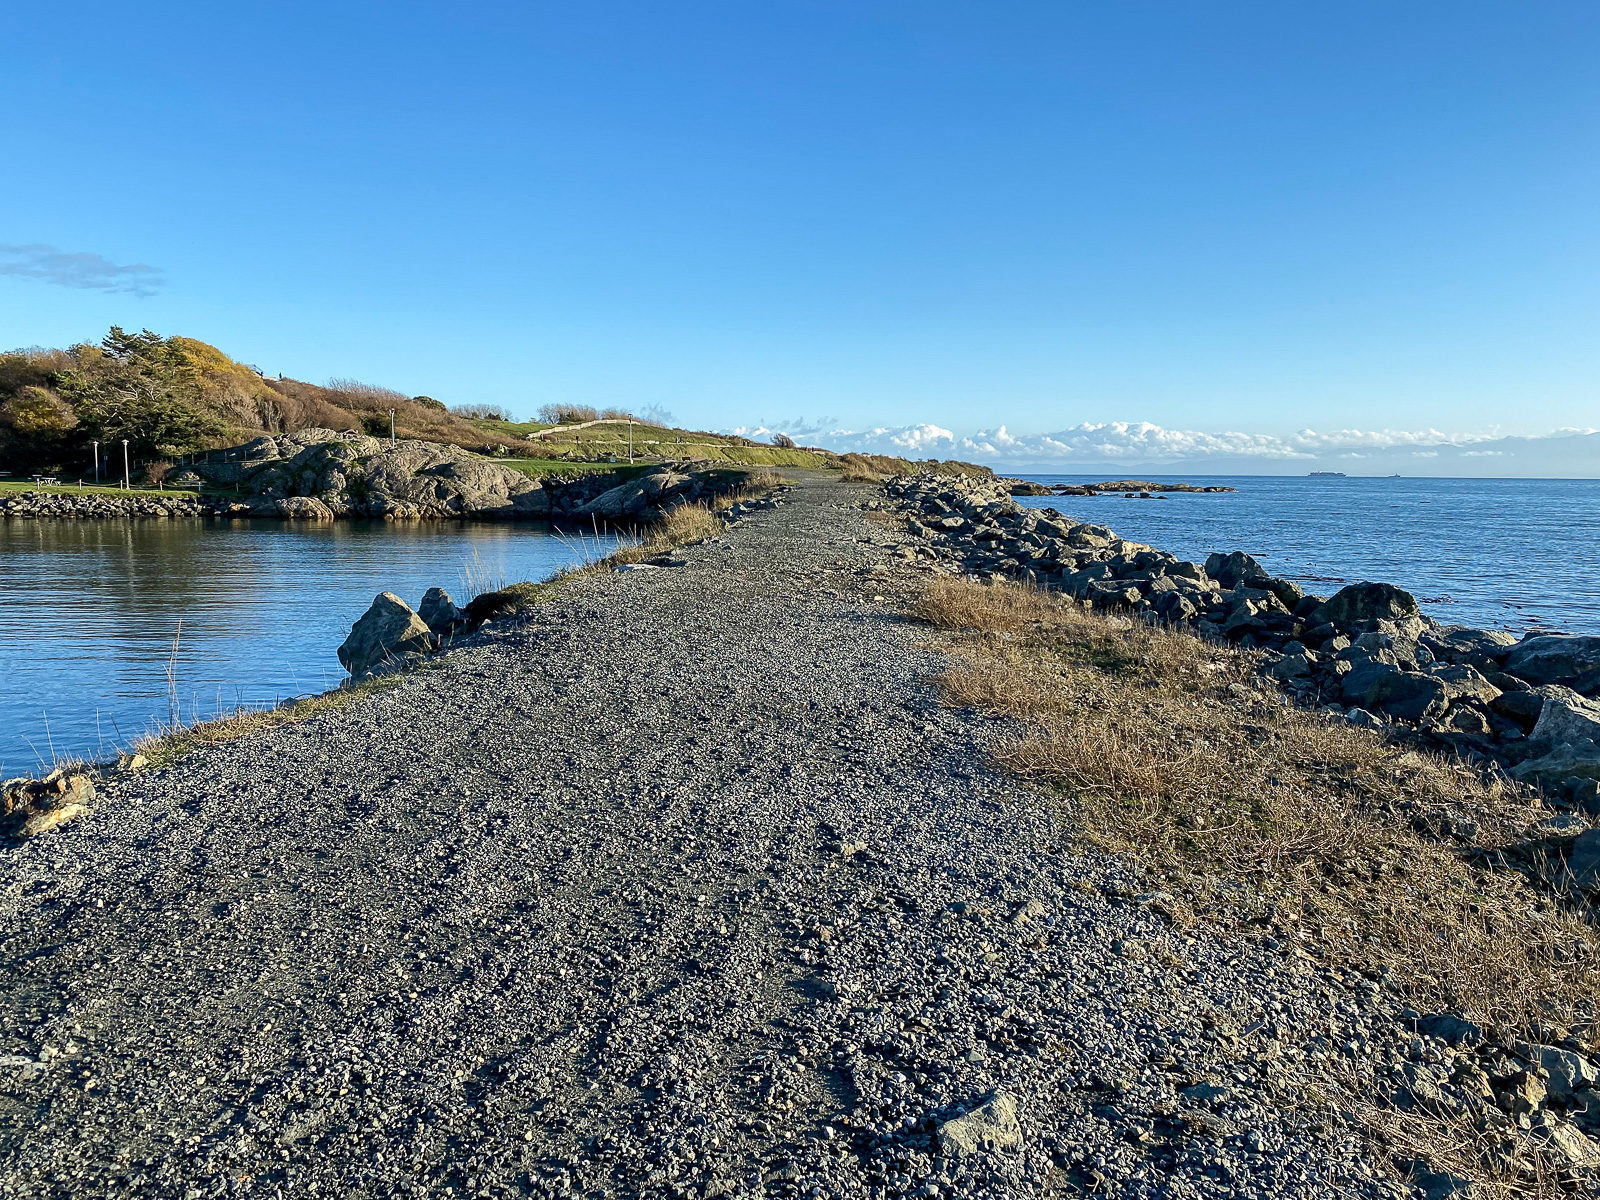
1368, 651
388, 637
29, 807
322, 475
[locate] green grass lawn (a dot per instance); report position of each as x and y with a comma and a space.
541, 467
12, 487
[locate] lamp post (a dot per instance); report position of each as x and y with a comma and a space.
630, 443
97, 464
126, 481
391, 428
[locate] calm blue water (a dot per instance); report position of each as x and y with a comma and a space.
1512, 554
91, 609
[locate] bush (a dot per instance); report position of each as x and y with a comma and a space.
567, 414
429, 402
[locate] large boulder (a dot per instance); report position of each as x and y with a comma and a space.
1362, 602
633, 498
1239, 569
1230, 570
1565, 741
302, 508
1408, 695
1570, 718
439, 612
29, 807
1463, 682
388, 637
1557, 658
1483, 649
447, 481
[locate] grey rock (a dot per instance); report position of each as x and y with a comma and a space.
990, 1126
302, 508
1570, 718
1554, 658
1568, 734
439, 612
1569, 1072
1584, 861
1463, 682
1407, 695
1451, 1029
1484, 649
388, 635
1360, 602
633, 498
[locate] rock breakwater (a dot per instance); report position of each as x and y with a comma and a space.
98, 506
1531, 705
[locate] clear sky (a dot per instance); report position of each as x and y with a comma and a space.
1236, 218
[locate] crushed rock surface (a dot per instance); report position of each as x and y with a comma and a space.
688, 886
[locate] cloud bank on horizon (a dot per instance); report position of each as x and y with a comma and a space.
1092, 446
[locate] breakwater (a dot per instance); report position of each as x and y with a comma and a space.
1367, 649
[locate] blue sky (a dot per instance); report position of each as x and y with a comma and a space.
1243, 219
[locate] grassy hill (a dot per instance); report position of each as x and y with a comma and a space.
172, 396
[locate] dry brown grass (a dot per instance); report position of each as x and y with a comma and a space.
687, 523
853, 473
1172, 754
175, 739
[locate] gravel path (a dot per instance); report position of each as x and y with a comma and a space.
688, 887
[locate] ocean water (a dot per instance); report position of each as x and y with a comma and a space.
243, 613
1517, 554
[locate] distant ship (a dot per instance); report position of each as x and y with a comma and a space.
1327, 475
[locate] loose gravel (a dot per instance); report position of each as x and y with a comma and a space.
688, 886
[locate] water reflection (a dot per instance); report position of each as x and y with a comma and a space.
91, 609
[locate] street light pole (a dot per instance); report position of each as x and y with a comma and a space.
97, 464
391, 428
126, 481
630, 443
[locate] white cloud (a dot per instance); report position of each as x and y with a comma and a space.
1113, 442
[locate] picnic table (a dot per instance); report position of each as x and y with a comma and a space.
44, 479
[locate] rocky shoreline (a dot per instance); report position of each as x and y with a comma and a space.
1141, 488
346, 477
1530, 705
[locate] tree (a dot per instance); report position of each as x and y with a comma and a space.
37, 412
783, 441
143, 388
567, 414
481, 412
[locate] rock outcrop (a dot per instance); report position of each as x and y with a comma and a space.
639, 494
318, 474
